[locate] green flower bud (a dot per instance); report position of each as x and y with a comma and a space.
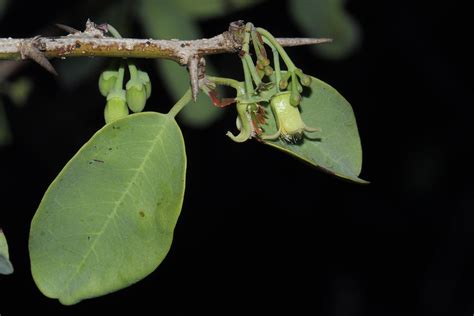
143, 76
295, 97
136, 95
107, 81
288, 118
116, 107
283, 84
268, 71
265, 61
305, 80
299, 87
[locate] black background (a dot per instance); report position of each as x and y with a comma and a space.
260, 231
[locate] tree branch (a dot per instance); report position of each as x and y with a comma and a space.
92, 42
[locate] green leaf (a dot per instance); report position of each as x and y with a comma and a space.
5, 264
163, 20
337, 148
327, 18
107, 220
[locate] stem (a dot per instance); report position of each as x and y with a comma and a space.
245, 43
274, 41
85, 45
253, 71
257, 46
119, 82
245, 50
185, 99
226, 82
248, 80
112, 30
276, 63
133, 70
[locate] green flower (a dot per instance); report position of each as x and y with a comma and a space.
143, 76
107, 81
290, 125
116, 107
136, 95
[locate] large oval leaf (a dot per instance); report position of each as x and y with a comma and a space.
107, 220
5, 264
337, 148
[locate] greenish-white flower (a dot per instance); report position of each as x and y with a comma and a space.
107, 81
290, 125
116, 107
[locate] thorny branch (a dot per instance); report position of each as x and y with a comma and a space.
93, 42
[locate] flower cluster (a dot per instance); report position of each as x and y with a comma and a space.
120, 101
264, 86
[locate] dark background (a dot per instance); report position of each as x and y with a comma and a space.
297, 241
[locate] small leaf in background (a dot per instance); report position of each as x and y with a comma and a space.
327, 18
212, 8
73, 71
163, 20
3, 5
337, 147
5, 264
5, 133
199, 114
19, 90
107, 220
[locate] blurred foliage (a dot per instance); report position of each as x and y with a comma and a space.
19, 90
5, 264
327, 18
74, 70
3, 5
211, 8
5, 133
165, 21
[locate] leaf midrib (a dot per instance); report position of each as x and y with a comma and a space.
115, 209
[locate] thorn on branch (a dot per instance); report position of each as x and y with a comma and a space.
289, 42
67, 28
32, 49
193, 65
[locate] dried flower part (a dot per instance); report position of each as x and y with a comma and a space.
250, 117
